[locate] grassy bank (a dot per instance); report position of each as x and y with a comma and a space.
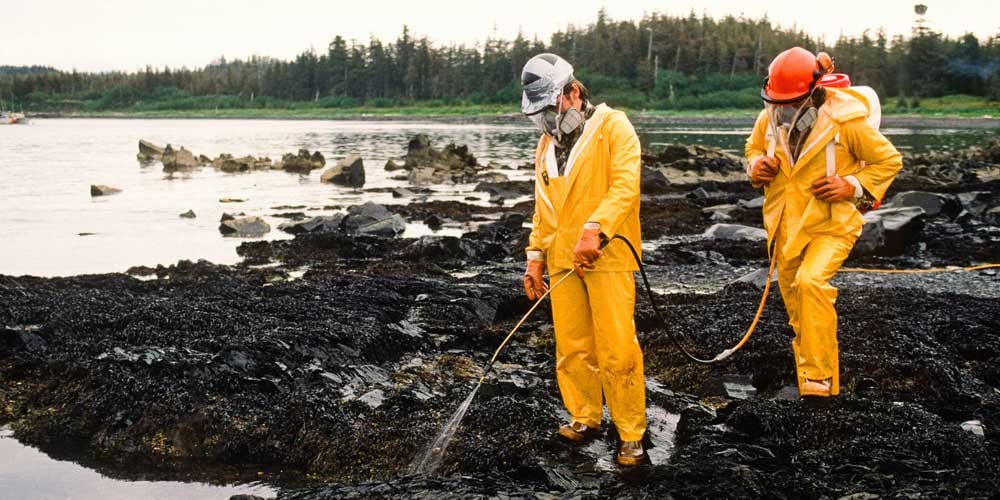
957, 106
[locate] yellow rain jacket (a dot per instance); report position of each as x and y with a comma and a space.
789, 195
563, 204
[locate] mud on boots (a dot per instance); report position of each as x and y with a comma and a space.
587, 168
821, 159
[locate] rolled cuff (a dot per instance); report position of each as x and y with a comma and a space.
859, 192
535, 255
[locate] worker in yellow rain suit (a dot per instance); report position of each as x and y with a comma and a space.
587, 168
819, 160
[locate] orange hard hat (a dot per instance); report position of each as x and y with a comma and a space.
793, 74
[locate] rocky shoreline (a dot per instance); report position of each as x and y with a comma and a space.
324, 363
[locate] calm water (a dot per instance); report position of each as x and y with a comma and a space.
29, 474
46, 170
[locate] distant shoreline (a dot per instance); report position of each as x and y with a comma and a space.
708, 118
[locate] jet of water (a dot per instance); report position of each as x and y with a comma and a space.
430, 459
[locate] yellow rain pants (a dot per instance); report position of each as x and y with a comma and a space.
809, 299
597, 351
597, 355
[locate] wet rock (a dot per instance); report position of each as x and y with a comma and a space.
103, 190
402, 193
754, 204
301, 163
16, 339
889, 231
735, 232
188, 215
226, 163
757, 278
932, 203
244, 227
148, 152
976, 202
975, 427
374, 219
318, 224
349, 172
433, 221
391, 165
502, 191
429, 165
653, 181
178, 160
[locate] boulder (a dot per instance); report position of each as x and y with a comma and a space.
372, 218
148, 152
992, 216
652, 180
349, 172
735, 232
391, 165
188, 215
318, 224
427, 164
178, 160
975, 202
302, 163
502, 191
102, 190
243, 227
889, 231
932, 203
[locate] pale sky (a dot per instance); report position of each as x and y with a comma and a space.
99, 35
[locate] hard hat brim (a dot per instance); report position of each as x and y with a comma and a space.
769, 96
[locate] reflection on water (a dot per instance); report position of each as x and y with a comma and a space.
51, 225
29, 474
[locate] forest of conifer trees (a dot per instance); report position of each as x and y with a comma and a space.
658, 62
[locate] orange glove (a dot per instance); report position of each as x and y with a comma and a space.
833, 189
534, 284
763, 170
587, 250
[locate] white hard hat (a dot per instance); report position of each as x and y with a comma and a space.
542, 81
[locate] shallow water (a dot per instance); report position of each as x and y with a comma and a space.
27, 473
46, 170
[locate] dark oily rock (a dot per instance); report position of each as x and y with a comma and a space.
433, 221
372, 218
889, 231
735, 232
695, 157
653, 181
976, 202
102, 190
244, 227
348, 171
506, 190
301, 163
730, 386
391, 165
188, 215
932, 203
992, 216
318, 224
178, 160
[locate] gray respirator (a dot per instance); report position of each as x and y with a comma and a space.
558, 125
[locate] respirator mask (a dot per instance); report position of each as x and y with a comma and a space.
558, 125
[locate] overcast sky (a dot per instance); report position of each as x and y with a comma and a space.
96, 35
